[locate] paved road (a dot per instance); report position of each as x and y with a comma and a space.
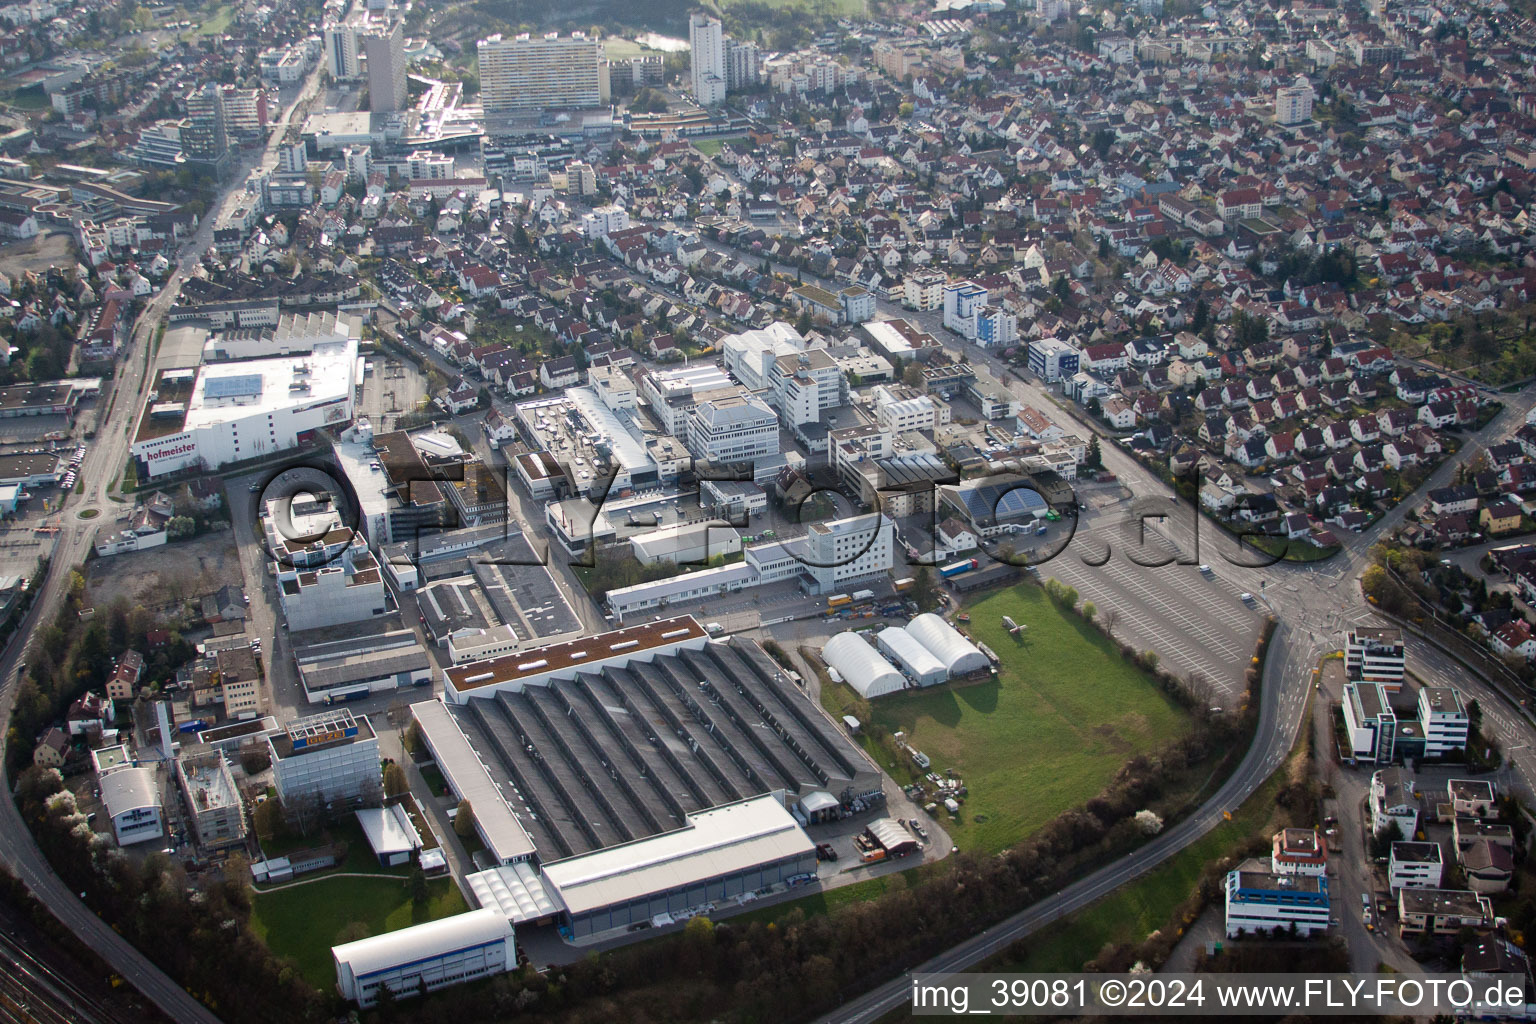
104, 462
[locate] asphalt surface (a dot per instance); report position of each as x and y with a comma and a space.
104, 460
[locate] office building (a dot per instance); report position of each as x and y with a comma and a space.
962, 301
1441, 911
1370, 723
332, 757
526, 73
707, 59
384, 48
995, 327
131, 797
205, 136
1376, 655
430, 956
208, 787
750, 355
837, 552
348, 589
806, 384
1052, 359
1415, 866
1260, 901
733, 428
1293, 103
1444, 721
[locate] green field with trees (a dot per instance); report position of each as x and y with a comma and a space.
1062, 716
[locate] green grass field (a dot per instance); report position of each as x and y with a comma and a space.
1063, 715
304, 922
1134, 911
218, 24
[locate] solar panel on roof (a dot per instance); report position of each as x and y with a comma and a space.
1001, 500
243, 386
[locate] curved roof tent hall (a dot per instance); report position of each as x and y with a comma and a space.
959, 656
862, 666
919, 663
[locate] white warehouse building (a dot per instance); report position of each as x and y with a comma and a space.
228, 412
959, 656
437, 954
132, 798
861, 666
916, 660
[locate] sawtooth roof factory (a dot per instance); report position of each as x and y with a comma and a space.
651, 745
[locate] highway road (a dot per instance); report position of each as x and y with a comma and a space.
104, 461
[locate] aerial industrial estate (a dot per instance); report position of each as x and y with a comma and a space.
703, 512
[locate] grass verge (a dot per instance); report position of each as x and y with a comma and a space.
304, 922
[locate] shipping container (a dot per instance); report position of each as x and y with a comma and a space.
956, 568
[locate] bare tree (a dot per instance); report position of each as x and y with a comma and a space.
371, 791
1110, 617
303, 812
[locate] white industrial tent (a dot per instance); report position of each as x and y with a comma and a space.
913, 657
959, 656
862, 666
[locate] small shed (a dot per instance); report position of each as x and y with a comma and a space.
390, 833
819, 806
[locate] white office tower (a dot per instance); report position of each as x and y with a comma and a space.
384, 47
528, 73
341, 52
359, 161
707, 40
293, 158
